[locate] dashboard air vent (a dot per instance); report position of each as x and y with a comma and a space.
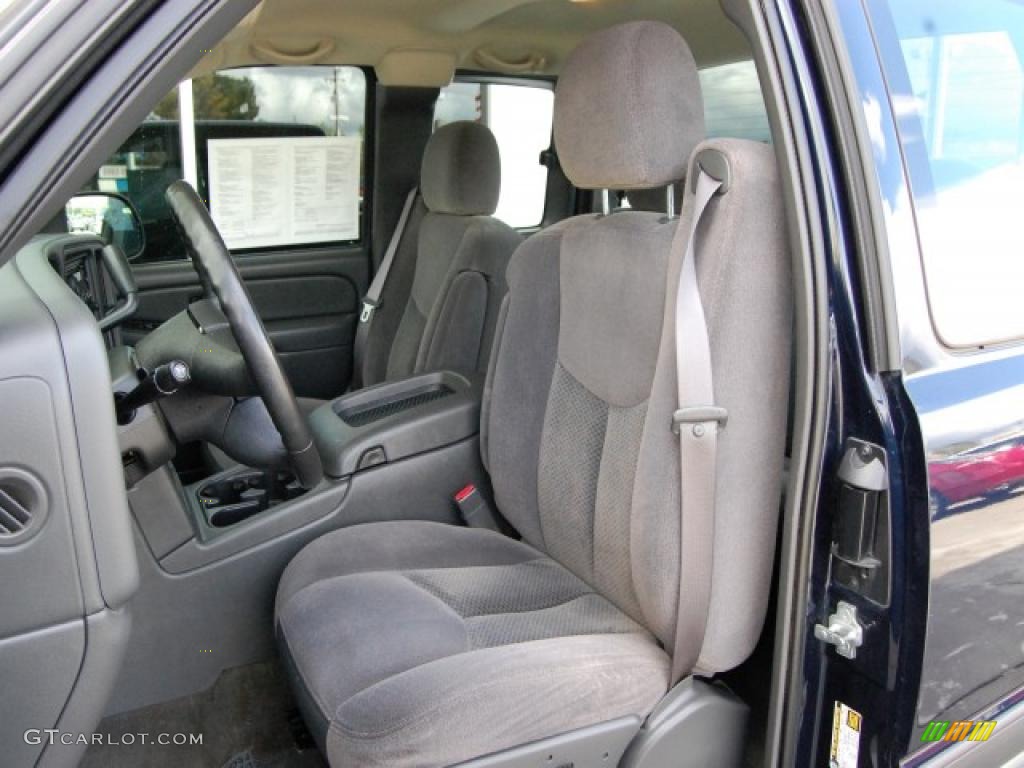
22, 506
15, 517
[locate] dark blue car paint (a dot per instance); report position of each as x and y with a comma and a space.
970, 405
946, 645
881, 682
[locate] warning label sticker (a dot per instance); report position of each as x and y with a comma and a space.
846, 727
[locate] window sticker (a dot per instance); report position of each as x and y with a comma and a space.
846, 727
285, 191
113, 172
113, 178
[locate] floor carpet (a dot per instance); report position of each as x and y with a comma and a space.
247, 720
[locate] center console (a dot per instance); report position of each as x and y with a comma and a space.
227, 501
395, 420
377, 445
212, 551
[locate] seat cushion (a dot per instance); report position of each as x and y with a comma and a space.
418, 643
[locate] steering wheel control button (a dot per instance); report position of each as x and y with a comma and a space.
372, 457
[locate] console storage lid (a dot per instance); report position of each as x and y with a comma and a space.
395, 420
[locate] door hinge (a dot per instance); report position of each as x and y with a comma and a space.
844, 630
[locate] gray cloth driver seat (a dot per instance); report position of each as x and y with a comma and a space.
422, 644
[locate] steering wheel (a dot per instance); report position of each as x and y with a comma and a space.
219, 276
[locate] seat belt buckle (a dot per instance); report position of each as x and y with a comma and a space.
699, 416
369, 307
476, 512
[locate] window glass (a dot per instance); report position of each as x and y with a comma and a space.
733, 105
958, 89
520, 117
7, 10
276, 152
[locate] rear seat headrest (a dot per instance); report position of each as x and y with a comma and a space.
461, 172
628, 108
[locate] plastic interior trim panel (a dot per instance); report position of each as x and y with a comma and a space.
57, 408
395, 420
97, 458
596, 745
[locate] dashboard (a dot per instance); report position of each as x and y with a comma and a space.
81, 268
75, 562
97, 274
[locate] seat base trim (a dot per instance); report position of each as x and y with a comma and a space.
697, 724
596, 745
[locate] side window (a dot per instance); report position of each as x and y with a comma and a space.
520, 117
276, 152
958, 89
733, 104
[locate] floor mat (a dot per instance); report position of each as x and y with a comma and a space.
242, 760
246, 720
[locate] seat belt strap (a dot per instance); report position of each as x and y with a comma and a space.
697, 422
371, 301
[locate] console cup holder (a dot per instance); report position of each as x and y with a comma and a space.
232, 499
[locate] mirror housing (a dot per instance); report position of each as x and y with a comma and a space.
110, 216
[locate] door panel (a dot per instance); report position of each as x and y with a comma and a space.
308, 300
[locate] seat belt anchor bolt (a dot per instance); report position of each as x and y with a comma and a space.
699, 416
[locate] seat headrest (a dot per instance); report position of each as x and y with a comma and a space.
461, 171
628, 108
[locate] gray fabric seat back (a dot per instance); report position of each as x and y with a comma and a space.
441, 300
578, 406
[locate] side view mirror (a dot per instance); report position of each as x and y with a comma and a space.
110, 216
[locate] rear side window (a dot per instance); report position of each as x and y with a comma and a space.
733, 104
956, 73
276, 152
520, 117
